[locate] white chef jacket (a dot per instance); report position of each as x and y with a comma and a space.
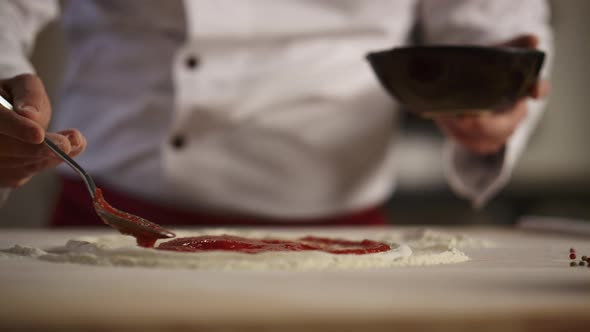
256, 107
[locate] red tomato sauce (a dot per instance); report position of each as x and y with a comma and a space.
255, 246
230, 242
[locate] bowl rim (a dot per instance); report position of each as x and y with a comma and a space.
459, 47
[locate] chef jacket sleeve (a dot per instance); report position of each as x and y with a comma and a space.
20, 21
485, 22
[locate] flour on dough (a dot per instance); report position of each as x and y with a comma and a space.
422, 247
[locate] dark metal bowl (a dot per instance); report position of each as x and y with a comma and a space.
457, 78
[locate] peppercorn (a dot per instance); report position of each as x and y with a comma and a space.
572, 256
572, 250
582, 263
573, 264
584, 258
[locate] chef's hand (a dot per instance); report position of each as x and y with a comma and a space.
487, 133
22, 131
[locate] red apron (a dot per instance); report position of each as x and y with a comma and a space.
74, 208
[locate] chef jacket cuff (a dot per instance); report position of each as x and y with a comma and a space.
478, 178
472, 176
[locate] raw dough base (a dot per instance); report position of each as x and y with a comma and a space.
424, 247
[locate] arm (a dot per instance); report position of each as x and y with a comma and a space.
481, 152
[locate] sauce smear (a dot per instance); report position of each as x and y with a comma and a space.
255, 246
144, 238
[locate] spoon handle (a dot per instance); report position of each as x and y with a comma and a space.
74, 165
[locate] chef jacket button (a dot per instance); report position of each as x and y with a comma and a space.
192, 61
178, 141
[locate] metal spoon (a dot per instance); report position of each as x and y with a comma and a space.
145, 231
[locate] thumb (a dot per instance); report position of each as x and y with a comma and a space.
29, 98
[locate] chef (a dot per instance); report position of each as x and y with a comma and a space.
219, 112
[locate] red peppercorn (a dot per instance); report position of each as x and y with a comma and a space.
572, 256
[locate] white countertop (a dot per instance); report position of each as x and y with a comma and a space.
524, 283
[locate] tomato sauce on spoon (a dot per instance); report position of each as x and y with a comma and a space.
145, 232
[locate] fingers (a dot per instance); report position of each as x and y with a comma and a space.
523, 41
485, 133
29, 98
541, 87
77, 141
13, 148
68, 141
540, 90
32, 110
17, 169
21, 128
472, 141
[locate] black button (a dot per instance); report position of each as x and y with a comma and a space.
178, 141
192, 61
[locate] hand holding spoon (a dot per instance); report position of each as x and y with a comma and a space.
146, 232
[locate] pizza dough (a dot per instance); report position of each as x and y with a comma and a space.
424, 247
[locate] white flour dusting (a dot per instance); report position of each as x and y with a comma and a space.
424, 247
